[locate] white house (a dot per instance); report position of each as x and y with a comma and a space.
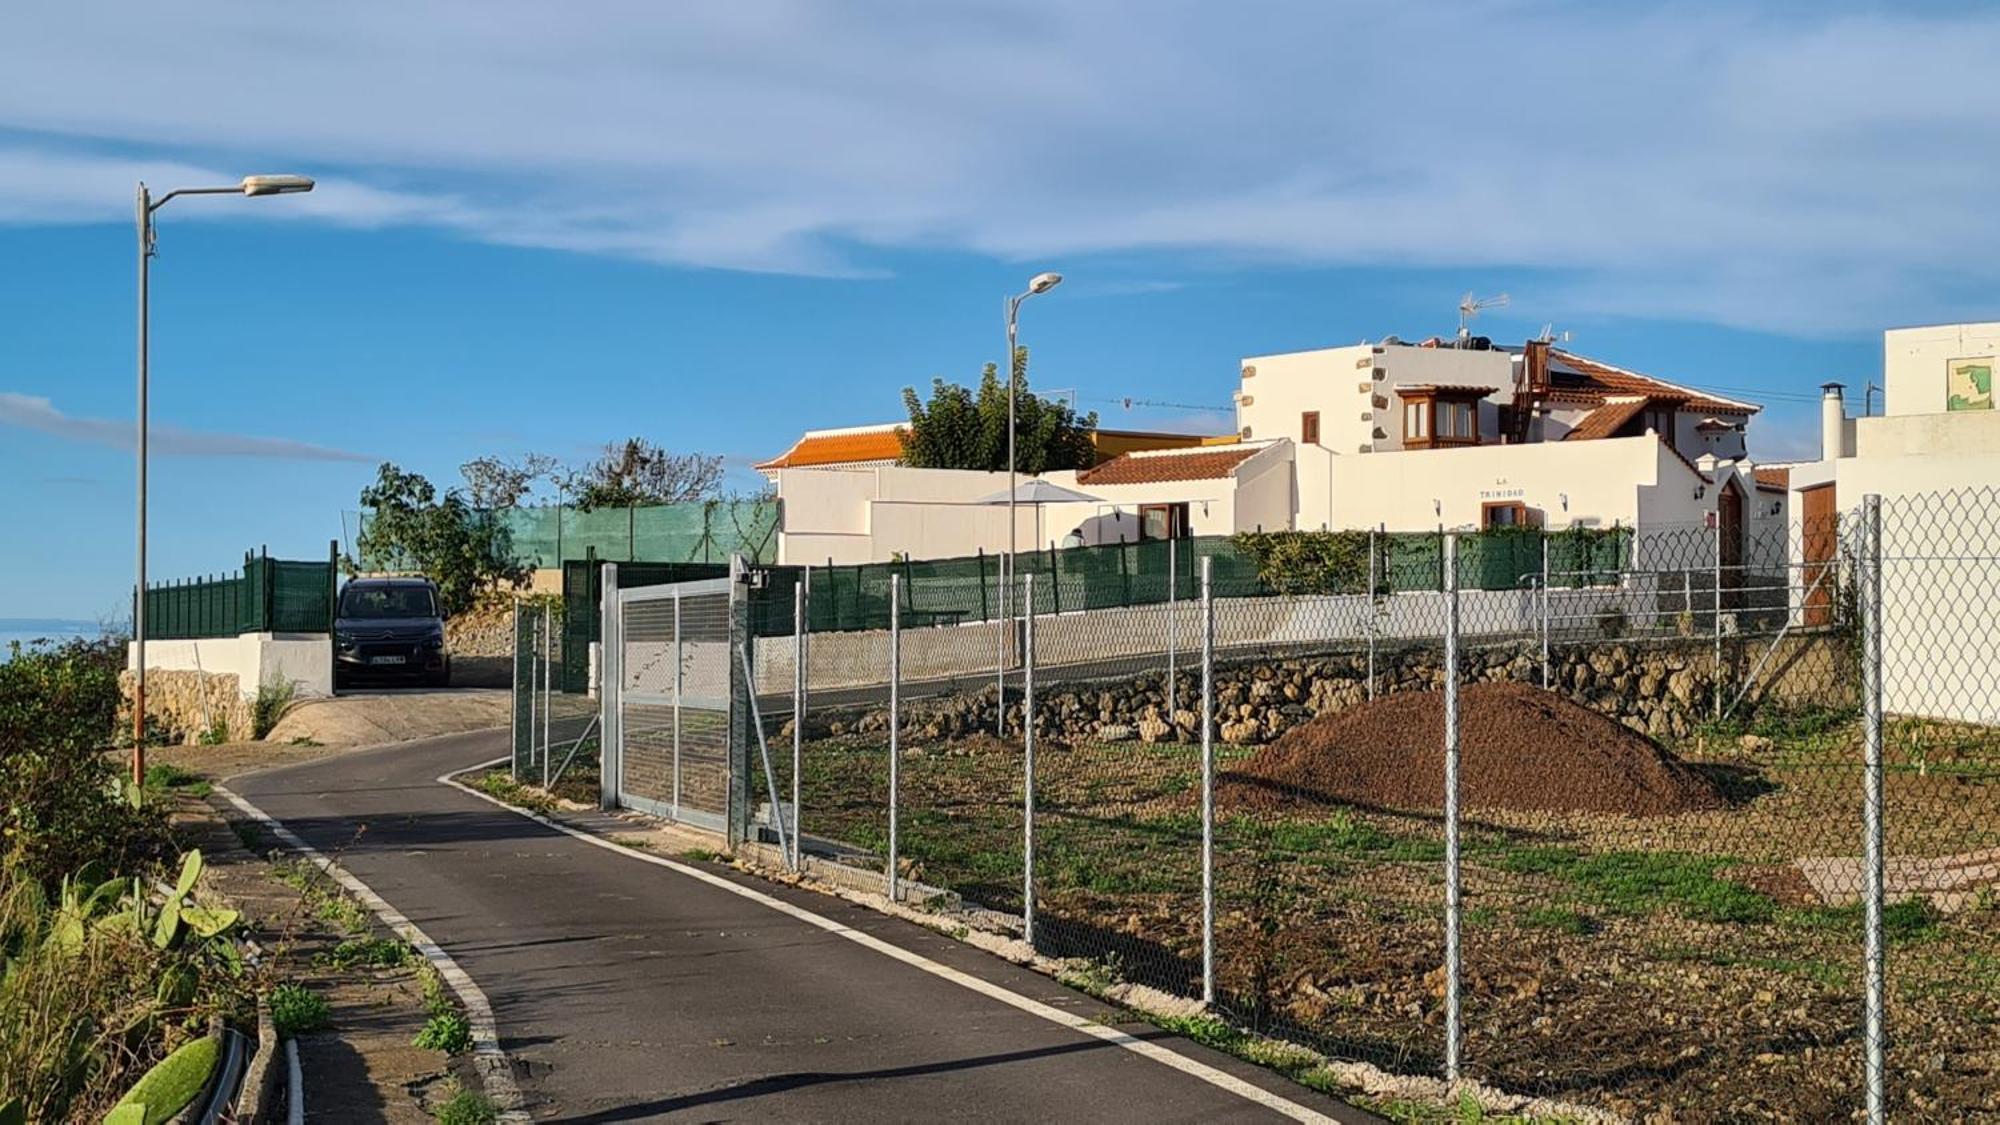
1457, 434
1933, 456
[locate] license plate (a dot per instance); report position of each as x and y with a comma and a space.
385, 660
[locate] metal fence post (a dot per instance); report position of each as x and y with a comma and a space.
1546, 681
799, 596
534, 655
610, 690
1451, 872
1000, 659
895, 717
1716, 670
1374, 625
1207, 783
548, 683
1028, 765
1871, 804
679, 662
514, 700
1171, 622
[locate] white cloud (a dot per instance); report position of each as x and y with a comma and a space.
33, 412
1816, 169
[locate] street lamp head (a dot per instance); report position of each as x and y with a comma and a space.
1044, 282
276, 185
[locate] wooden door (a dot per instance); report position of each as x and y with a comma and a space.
1819, 541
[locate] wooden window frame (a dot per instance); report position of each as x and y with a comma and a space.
1425, 404
1177, 519
1523, 515
1309, 428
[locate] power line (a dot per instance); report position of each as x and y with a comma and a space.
1128, 403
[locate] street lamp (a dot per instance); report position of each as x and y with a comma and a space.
250, 185
1039, 284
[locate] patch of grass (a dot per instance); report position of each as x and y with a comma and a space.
465, 1107
1559, 919
1908, 922
320, 895
636, 843
163, 778
296, 1009
436, 1000
1094, 977
1641, 883
372, 953
499, 785
303, 740
700, 855
445, 1031
216, 734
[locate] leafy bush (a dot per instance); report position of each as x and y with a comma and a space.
466, 1108
1308, 562
62, 804
296, 1009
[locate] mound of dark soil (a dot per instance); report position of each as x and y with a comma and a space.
1519, 748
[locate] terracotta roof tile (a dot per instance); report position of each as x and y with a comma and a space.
1201, 464
1605, 421
1780, 479
1590, 375
1449, 389
853, 447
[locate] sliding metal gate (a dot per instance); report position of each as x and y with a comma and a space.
666, 675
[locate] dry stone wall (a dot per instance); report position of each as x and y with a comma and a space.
1662, 690
187, 705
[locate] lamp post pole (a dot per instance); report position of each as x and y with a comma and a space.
146, 205
1040, 283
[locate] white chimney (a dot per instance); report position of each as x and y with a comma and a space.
1832, 423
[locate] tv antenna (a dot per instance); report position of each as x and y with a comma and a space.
1469, 308
1549, 336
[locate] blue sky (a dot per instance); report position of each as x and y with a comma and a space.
543, 227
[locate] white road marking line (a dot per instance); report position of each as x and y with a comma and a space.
1220, 1079
496, 1073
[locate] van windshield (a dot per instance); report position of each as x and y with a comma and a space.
387, 601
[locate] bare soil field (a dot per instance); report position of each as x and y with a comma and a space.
1677, 964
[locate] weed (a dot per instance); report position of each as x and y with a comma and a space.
700, 855
1095, 977
466, 1108
1908, 922
302, 740
372, 952
340, 910
274, 698
161, 778
498, 784
296, 1009
217, 733
445, 1031
636, 843
435, 1000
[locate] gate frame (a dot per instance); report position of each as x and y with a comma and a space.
612, 792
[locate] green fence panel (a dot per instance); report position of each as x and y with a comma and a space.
267, 595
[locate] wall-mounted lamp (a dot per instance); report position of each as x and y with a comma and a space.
1700, 490
1564, 497
1777, 506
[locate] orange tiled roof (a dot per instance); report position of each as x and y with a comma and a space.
1606, 419
1588, 375
1780, 479
859, 446
1208, 463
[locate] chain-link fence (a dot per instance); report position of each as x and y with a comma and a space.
1705, 828
556, 739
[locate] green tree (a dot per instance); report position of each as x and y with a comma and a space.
962, 430
410, 527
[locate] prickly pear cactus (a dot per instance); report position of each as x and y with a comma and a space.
172, 1083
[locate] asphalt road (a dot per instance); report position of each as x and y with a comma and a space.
629, 992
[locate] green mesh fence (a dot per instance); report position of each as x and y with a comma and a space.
267, 596
583, 591
704, 531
